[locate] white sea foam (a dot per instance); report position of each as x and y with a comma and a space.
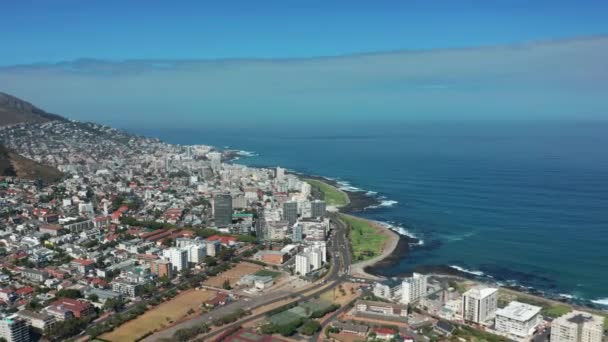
371, 193
401, 231
247, 153
383, 204
565, 295
346, 186
601, 301
462, 269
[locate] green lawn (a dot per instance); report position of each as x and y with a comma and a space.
332, 195
365, 239
557, 310
265, 273
549, 309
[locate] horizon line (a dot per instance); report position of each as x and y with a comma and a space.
524, 43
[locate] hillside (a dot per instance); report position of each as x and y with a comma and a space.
14, 110
12, 164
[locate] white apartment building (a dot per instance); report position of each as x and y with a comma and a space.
196, 253
316, 258
386, 291
479, 304
14, 329
413, 288
178, 257
302, 264
518, 320
577, 326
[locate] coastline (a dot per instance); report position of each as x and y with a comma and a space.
388, 249
401, 244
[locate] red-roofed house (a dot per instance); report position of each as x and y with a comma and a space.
219, 299
25, 291
65, 308
224, 240
173, 215
55, 273
384, 333
116, 217
83, 265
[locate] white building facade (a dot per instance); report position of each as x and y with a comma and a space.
479, 304
518, 320
413, 288
577, 326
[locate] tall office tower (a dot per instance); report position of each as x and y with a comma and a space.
215, 158
297, 234
222, 210
178, 257
290, 212
317, 208
479, 304
577, 326
260, 225
413, 288
302, 264
14, 329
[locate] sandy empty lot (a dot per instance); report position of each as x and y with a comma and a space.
233, 274
161, 316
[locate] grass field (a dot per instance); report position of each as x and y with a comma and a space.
332, 195
267, 273
233, 275
160, 316
366, 239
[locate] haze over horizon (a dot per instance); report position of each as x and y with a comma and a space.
238, 63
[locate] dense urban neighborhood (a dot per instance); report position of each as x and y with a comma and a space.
140, 240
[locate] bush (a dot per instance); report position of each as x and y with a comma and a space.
186, 334
310, 327
321, 313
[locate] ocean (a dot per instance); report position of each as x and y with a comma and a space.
521, 203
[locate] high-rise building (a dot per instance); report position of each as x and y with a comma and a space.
196, 252
317, 208
280, 173
479, 304
260, 225
290, 212
316, 258
213, 247
215, 158
413, 288
296, 233
178, 258
302, 264
222, 210
518, 319
14, 329
577, 326
162, 268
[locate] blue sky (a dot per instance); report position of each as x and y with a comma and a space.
49, 31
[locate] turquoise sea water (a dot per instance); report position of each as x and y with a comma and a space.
519, 202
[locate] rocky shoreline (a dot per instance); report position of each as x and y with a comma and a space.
362, 200
359, 200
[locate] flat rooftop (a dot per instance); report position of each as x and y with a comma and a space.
519, 311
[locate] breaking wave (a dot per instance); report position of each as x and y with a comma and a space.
464, 270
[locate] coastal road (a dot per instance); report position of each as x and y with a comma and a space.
340, 263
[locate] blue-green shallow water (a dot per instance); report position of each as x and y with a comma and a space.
524, 202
